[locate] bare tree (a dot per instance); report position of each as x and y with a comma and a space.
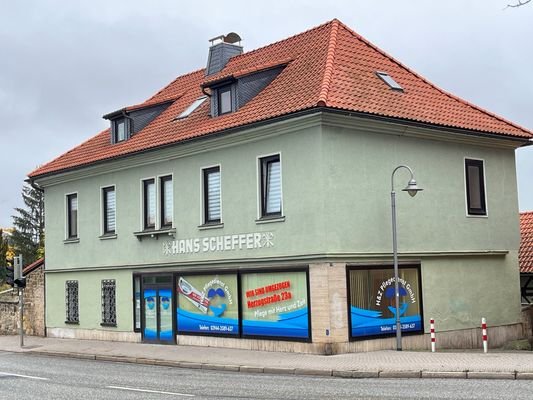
520, 3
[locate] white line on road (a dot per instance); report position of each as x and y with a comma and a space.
149, 391
23, 376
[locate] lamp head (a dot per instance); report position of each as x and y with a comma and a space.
412, 188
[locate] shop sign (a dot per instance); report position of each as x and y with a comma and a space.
213, 244
373, 306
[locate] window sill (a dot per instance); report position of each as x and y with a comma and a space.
108, 325
476, 216
269, 220
72, 322
108, 236
71, 240
155, 233
216, 225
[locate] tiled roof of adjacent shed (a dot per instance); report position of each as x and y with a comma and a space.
327, 66
525, 255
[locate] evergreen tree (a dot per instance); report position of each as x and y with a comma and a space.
28, 235
3, 255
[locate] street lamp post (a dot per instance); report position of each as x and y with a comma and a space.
412, 189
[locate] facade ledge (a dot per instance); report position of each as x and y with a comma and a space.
71, 240
108, 236
72, 322
108, 325
211, 226
268, 220
155, 233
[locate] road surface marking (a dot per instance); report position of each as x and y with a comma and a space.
149, 391
23, 376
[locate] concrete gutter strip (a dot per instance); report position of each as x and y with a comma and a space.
390, 374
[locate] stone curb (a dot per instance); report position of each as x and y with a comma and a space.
490, 375
407, 374
444, 374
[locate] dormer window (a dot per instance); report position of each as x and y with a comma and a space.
224, 100
120, 129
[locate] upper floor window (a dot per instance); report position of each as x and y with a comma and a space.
120, 129
475, 187
211, 186
270, 186
72, 216
109, 210
149, 204
167, 202
224, 100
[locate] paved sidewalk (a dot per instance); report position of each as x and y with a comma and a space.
382, 364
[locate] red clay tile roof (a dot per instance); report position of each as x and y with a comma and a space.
330, 66
33, 266
525, 254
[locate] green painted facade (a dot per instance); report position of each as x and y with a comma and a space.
336, 203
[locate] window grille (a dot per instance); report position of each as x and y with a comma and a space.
109, 312
71, 301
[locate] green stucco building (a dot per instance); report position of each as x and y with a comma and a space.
247, 205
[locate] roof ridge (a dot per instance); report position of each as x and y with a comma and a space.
446, 93
330, 63
246, 53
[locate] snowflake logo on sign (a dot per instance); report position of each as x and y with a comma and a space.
167, 249
268, 239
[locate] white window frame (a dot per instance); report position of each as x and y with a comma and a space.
158, 210
259, 184
158, 196
484, 184
203, 222
66, 216
102, 211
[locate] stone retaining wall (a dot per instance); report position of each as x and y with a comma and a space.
34, 323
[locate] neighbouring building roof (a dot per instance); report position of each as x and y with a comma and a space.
33, 266
525, 255
328, 66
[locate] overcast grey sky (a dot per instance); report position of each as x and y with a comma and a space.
63, 64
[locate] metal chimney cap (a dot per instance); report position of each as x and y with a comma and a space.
230, 38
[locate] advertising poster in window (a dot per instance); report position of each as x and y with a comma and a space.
165, 314
372, 301
208, 304
275, 304
150, 314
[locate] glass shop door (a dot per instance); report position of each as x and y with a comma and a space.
157, 305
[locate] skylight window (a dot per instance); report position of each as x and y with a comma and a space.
197, 103
389, 81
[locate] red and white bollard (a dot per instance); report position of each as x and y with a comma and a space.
432, 330
484, 333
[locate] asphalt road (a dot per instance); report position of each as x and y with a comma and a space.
25, 376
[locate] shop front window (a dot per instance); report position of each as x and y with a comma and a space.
372, 301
